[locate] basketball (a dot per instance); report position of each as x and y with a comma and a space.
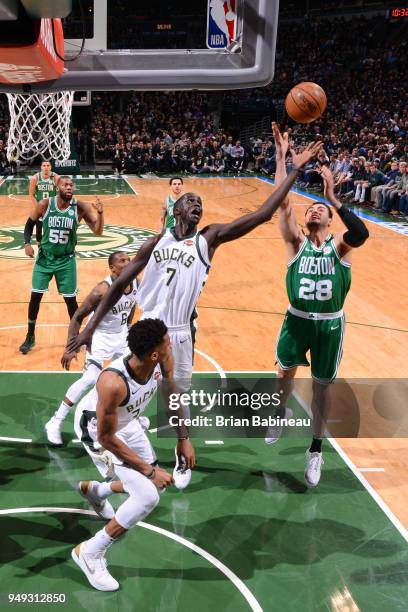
305, 102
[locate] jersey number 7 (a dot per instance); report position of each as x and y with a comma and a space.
172, 272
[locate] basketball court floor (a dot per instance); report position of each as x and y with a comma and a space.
247, 529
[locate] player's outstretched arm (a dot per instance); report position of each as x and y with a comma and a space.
288, 225
357, 232
111, 392
94, 220
114, 292
88, 305
218, 233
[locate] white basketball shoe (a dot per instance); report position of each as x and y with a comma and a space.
102, 507
181, 474
313, 471
53, 431
95, 568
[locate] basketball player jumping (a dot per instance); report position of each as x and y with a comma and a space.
56, 256
108, 342
178, 263
109, 415
167, 212
317, 281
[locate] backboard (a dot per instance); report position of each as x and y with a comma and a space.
223, 45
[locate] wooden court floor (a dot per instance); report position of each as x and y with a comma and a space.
242, 306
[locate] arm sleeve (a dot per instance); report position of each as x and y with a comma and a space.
28, 230
357, 232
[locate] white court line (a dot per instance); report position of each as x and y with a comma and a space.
362, 469
213, 362
214, 441
131, 186
5, 439
237, 582
387, 511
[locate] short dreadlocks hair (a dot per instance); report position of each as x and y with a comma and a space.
146, 335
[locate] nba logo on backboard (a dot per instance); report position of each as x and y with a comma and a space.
221, 23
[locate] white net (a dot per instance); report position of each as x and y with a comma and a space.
39, 125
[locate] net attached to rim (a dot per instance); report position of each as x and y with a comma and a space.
39, 125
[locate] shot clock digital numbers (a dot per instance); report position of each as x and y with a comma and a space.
399, 12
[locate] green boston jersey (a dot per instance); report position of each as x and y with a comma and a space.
316, 280
59, 230
45, 188
170, 222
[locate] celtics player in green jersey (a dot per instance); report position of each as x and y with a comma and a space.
43, 185
317, 281
56, 256
167, 213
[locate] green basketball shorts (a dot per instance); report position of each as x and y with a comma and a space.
65, 272
323, 338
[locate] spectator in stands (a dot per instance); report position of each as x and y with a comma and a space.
237, 157
376, 178
392, 196
226, 152
200, 163
218, 163
391, 178
361, 179
268, 164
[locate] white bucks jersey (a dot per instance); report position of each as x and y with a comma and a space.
139, 393
173, 279
115, 320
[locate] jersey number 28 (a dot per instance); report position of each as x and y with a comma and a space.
312, 290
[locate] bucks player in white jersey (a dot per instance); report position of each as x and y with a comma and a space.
178, 262
167, 213
108, 342
43, 185
107, 422
317, 281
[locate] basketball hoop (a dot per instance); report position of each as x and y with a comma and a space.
39, 125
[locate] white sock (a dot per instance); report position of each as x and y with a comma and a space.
103, 489
99, 543
62, 411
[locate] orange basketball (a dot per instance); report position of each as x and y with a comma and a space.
305, 102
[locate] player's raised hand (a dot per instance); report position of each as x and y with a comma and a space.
281, 142
312, 150
97, 205
29, 251
185, 449
66, 359
328, 182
